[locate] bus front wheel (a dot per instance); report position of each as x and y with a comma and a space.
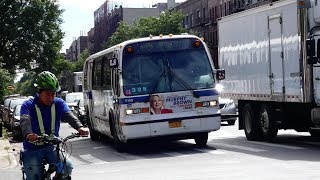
201, 139
118, 144
94, 135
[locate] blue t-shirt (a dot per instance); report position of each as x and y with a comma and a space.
28, 108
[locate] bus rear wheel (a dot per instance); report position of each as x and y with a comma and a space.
201, 139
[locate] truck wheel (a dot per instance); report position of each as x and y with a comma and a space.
314, 133
201, 139
94, 135
267, 123
251, 127
231, 122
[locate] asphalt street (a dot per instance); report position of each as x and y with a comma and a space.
229, 155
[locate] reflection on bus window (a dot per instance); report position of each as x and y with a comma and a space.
147, 73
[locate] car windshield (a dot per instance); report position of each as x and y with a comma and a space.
15, 102
7, 102
17, 110
166, 66
74, 98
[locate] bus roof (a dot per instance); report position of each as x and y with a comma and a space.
150, 38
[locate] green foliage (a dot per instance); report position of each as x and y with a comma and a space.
26, 84
61, 65
5, 81
30, 31
166, 23
78, 65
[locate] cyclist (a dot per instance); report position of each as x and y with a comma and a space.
42, 115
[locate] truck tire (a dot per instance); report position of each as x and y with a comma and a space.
231, 122
251, 125
267, 123
314, 133
201, 139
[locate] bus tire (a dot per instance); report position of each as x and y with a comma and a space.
250, 122
94, 135
201, 139
118, 144
267, 123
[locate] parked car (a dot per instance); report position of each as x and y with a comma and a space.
15, 123
75, 102
228, 110
2, 103
9, 105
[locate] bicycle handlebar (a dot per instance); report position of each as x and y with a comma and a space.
56, 140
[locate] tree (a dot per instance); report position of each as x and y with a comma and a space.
78, 65
30, 30
5, 81
61, 65
166, 23
26, 84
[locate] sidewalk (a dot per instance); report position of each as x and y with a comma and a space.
7, 157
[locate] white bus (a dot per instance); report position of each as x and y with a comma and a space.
152, 87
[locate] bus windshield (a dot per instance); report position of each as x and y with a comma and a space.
165, 66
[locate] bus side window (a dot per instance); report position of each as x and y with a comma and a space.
106, 74
96, 84
85, 76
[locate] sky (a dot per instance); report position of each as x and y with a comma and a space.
78, 15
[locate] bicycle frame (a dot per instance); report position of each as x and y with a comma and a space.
57, 168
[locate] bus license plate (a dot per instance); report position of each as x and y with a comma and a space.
175, 124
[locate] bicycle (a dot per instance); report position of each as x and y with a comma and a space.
57, 168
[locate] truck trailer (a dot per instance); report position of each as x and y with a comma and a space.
271, 57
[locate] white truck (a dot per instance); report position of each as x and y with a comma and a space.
271, 57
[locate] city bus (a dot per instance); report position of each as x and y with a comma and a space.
161, 86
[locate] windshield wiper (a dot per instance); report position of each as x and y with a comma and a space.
162, 75
180, 80
168, 70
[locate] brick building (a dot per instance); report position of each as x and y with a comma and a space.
76, 48
201, 17
108, 16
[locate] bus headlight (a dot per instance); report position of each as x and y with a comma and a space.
137, 111
206, 104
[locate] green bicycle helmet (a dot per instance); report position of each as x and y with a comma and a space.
47, 81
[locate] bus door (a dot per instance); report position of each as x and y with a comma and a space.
97, 102
115, 72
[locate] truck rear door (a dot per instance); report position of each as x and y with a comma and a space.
276, 56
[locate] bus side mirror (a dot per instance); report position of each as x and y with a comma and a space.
113, 62
220, 74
